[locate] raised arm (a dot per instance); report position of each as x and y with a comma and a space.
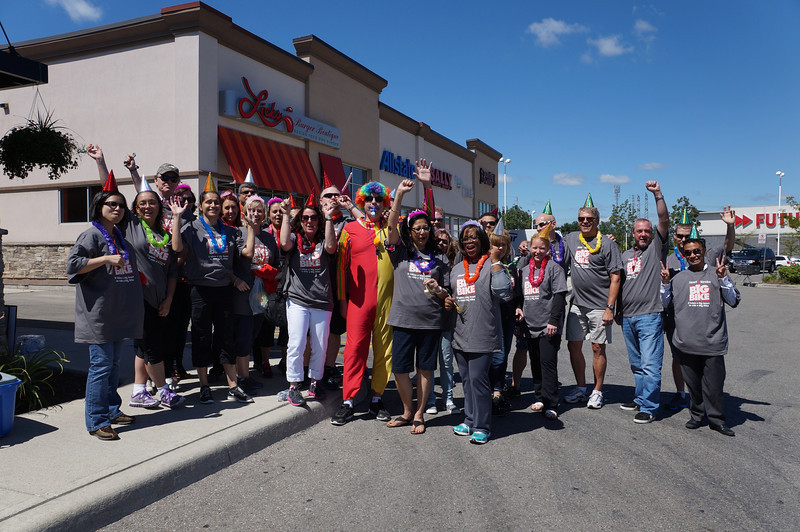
97, 154
423, 175
174, 204
392, 234
285, 240
728, 216
331, 244
661, 208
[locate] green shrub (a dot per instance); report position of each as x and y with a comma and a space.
34, 371
789, 274
769, 278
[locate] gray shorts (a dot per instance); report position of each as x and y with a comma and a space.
585, 324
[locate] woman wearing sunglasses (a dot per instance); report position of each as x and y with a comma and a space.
477, 286
417, 312
309, 242
104, 270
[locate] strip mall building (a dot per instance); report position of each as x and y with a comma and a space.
190, 87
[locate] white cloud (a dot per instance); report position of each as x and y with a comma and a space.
642, 28
568, 180
549, 30
610, 46
614, 179
649, 167
79, 10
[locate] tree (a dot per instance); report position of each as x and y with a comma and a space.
516, 218
677, 212
791, 242
620, 223
569, 227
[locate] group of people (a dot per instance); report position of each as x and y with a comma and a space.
244, 265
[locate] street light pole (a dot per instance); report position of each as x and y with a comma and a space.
505, 184
780, 178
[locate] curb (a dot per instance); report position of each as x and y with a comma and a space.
97, 504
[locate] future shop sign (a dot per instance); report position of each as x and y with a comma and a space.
763, 219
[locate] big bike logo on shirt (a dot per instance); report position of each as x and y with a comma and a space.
213, 253
124, 273
261, 254
157, 255
530, 290
700, 294
415, 273
582, 256
633, 267
465, 289
313, 260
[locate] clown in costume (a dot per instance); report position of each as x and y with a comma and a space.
364, 287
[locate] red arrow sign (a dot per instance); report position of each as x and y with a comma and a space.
745, 220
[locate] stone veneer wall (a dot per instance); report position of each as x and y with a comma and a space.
36, 262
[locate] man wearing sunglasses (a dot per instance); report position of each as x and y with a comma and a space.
595, 265
640, 312
677, 262
488, 221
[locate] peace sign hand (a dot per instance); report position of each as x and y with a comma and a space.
722, 271
664, 274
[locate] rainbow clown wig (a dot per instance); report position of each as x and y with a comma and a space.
373, 188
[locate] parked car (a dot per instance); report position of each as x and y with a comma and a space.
753, 260
780, 260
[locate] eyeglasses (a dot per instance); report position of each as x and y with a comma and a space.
442, 241
145, 203
114, 205
421, 228
469, 239
542, 224
585, 218
170, 178
682, 237
370, 199
438, 220
310, 218
185, 200
331, 195
695, 251
247, 192
491, 223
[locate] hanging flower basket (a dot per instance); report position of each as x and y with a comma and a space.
38, 143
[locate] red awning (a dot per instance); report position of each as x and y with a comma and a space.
332, 166
274, 164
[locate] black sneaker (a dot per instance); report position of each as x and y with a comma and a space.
295, 397
630, 406
643, 417
237, 393
377, 409
343, 415
205, 395
316, 390
500, 406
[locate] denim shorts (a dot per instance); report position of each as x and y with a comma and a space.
405, 342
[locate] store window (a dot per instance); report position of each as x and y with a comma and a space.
360, 176
484, 207
75, 203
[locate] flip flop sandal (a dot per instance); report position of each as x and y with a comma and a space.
538, 406
418, 424
399, 421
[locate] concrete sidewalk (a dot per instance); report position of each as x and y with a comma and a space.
56, 476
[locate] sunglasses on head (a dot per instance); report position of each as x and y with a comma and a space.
113, 204
695, 251
170, 178
585, 218
310, 218
331, 195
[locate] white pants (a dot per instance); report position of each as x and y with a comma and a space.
300, 320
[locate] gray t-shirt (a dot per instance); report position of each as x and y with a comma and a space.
109, 305
309, 279
538, 301
641, 278
157, 264
265, 251
589, 271
411, 307
206, 265
700, 325
478, 327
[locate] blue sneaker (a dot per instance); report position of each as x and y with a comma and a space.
479, 437
462, 430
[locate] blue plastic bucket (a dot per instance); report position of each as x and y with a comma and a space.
8, 400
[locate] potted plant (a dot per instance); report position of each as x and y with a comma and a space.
39, 143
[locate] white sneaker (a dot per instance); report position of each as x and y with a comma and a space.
595, 400
432, 410
578, 395
453, 409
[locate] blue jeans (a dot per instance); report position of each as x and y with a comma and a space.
102, 399
644, 337
445, 370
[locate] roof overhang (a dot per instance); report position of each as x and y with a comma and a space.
17, 71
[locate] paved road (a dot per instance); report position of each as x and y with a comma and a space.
594, 469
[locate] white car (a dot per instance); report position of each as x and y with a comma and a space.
780, 260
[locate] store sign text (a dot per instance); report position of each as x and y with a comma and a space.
405, 169
255, 107
487, 178
767, 219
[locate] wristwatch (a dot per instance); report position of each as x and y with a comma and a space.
610, 307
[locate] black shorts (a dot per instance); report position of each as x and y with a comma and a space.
338, 323
407, 342
153, 346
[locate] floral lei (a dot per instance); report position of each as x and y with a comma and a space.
531, 267
151, 238
218, 248
474, 277
118, 235
590, 249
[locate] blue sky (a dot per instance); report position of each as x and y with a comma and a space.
580, 95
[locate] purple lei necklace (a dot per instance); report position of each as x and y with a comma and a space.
117, 234
429, 262
558, 257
